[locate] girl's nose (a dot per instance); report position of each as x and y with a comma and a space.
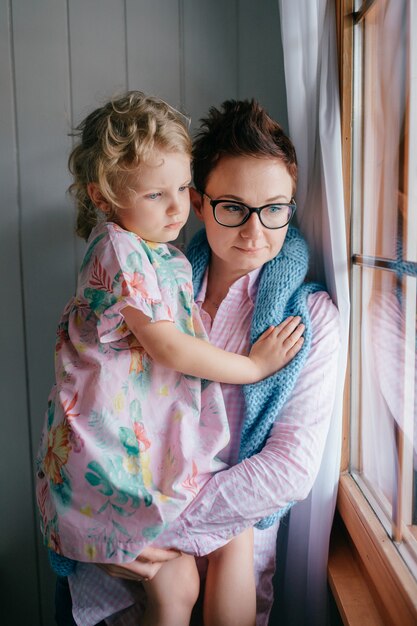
174, 207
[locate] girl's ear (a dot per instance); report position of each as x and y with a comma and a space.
97, 198
197, 202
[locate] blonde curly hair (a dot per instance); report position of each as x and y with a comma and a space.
113, 140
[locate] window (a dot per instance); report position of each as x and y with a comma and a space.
383, 441
379, 106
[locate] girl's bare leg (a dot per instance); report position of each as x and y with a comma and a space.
172, 593
230, 594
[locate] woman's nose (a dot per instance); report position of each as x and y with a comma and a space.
252, 228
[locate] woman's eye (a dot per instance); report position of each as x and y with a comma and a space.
232, 208
275, 208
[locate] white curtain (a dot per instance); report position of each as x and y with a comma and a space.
308, 30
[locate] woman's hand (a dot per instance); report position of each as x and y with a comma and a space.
145, 567
277, 346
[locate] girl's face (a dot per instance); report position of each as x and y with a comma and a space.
156, 204
256, 182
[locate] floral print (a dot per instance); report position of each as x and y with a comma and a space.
124, 447
57, 452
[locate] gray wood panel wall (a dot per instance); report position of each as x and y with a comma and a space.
58, 60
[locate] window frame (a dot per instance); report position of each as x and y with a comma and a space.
389, 578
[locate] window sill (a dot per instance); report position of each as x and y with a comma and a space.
350, 590
375, 560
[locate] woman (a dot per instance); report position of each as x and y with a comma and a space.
249, 269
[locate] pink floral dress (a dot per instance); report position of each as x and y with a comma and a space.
127, 443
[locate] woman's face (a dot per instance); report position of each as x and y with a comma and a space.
254, 181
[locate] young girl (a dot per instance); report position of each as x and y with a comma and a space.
133, 427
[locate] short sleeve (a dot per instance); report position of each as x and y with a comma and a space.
122, 271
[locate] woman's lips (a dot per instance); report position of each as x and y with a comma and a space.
249, 250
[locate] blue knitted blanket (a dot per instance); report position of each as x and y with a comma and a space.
282, 292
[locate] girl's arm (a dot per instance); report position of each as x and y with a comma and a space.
286, 467
172, 348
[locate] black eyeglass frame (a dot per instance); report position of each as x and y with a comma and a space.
292, 204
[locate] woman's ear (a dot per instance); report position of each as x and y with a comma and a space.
97, 198
197, 202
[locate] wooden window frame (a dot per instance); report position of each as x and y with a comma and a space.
389, 581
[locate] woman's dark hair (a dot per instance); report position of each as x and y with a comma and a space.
239, 128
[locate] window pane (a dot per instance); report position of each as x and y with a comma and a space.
384, 107
384, 301
384, 453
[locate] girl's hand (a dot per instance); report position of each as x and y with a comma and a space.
277, 346
170, 347
145, 567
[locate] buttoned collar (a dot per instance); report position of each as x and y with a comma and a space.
245, 285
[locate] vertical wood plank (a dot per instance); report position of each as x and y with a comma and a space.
153, 48
154, 51
261, 63
43, 111
210, 63
97, 61
19, 584
41, 61
97, 53
210, 54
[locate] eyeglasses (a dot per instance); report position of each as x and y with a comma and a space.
231, 213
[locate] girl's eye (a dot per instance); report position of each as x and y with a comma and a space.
153, 196
184, 187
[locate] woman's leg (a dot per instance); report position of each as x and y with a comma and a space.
172, 593
230, 594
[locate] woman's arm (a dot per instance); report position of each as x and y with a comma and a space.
286, 467
172, 348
